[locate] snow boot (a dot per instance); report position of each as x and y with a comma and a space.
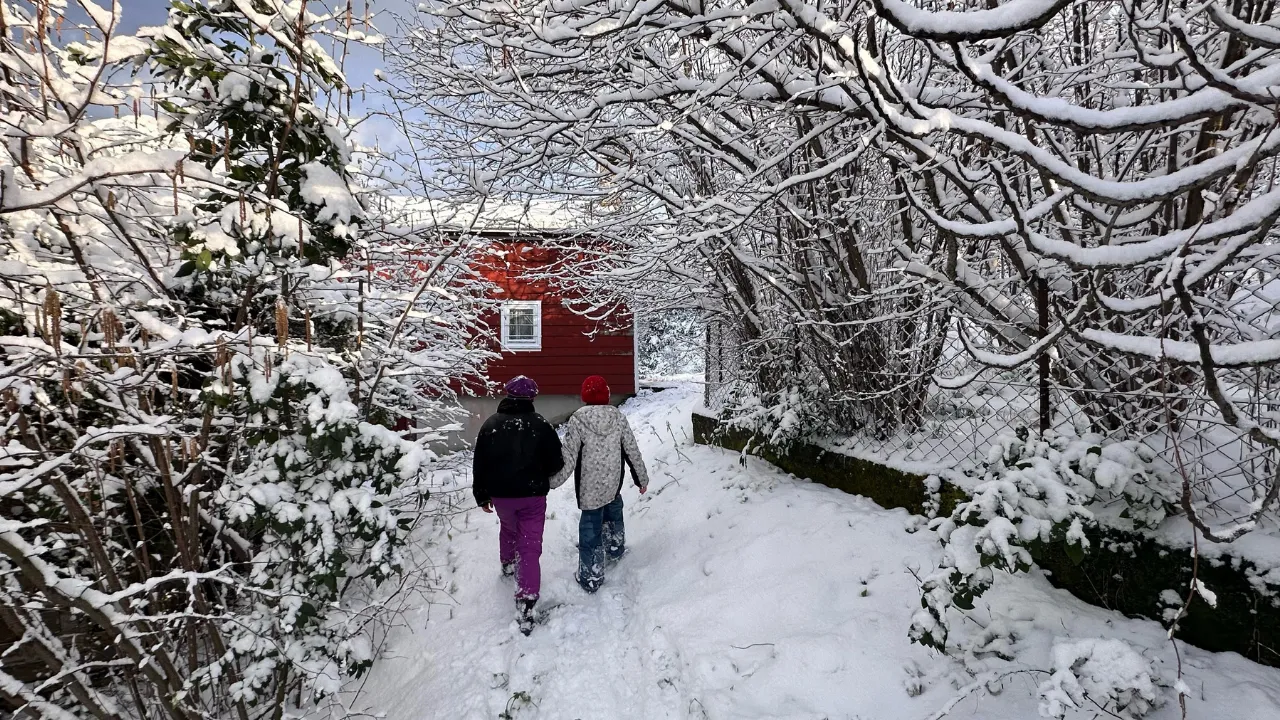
590, 584
526, 618
509, 569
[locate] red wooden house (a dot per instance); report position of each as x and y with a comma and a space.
537, 335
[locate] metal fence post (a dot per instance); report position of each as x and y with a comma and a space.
1042, 311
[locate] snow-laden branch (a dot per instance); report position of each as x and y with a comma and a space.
15, 481
1267, 36
15, 198
1262, 210
1244, 354
1198, 105
1032, 352
923, 122
952, 26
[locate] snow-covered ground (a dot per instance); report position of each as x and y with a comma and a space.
746, 593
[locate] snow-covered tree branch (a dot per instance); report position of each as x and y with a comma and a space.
852, 187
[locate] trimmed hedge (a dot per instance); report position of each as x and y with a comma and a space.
1123, 571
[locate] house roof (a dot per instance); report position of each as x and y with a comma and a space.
529, 219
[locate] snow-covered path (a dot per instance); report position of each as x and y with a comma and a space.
745, 594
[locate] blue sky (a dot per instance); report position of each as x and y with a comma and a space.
137, 13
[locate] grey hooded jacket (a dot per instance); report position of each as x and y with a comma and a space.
598, 446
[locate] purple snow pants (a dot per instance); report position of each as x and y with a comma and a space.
520, 540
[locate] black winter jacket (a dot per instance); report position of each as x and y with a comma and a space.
517, 452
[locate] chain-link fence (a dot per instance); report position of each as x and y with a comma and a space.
1132, 376
723, 363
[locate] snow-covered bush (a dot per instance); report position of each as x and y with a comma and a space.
199, 367
320, 493
1033, 491
1098, 674
783, 416
671, 343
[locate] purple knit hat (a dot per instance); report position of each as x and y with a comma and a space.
522, 387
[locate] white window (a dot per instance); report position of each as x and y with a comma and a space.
522, 325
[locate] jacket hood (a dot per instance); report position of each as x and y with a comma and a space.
599, 419
515, 406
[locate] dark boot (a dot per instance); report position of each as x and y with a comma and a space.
525, 617
614, 554
590, 583
509, 569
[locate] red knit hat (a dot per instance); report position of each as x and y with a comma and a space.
595, 391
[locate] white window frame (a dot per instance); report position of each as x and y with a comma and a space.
522, 344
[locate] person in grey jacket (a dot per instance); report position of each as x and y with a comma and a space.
598, 446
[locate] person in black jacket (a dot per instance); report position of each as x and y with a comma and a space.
517, 452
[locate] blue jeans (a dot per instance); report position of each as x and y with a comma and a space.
600, 532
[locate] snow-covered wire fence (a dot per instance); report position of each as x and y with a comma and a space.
1138, 392
723, 363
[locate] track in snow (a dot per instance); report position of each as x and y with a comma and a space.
745, 593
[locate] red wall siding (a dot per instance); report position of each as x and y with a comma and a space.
573, 347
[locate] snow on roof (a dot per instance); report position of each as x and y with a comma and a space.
488, 216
